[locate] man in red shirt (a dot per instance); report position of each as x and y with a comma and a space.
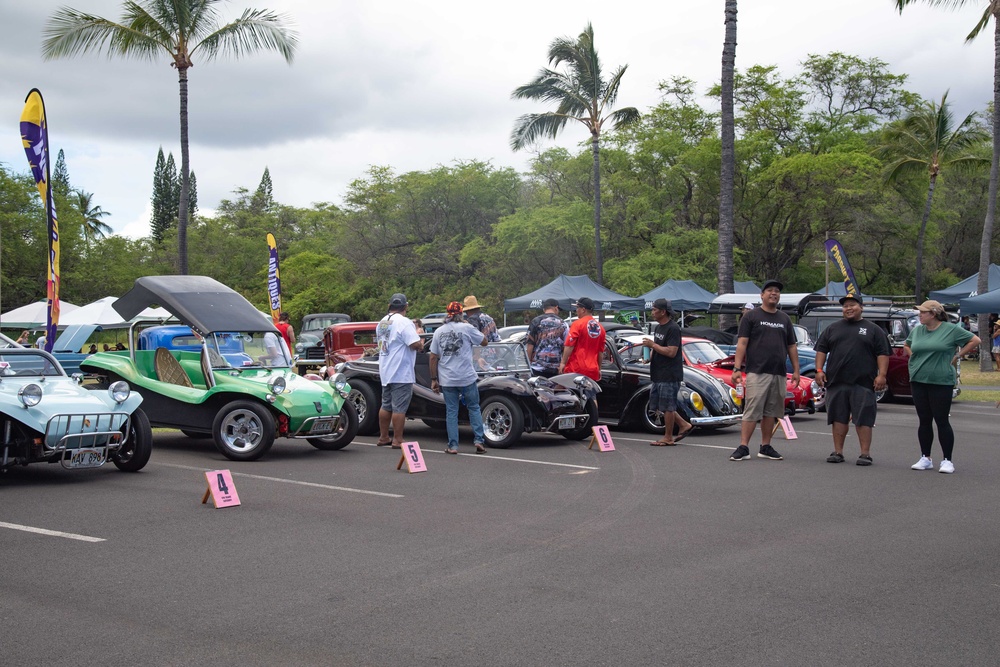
287, 332
585, 342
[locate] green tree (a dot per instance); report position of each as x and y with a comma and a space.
60, 175
93, 226
182, 29
928, 141
263, 198
581, 94
990, 10
160, 219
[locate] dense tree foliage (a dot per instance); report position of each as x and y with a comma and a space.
806, 167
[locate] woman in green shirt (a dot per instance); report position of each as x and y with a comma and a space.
931, 348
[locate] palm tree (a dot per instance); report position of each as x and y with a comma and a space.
181, 29
727, 174
93, 227
581, 94
927, 140
991, 10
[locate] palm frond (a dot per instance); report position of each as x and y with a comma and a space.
530, 127
69, 33
256, 30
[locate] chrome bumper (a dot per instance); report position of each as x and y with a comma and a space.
552, 428
724, 420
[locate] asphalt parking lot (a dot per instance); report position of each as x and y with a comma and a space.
545, 553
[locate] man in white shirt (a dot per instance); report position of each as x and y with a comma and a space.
398, 343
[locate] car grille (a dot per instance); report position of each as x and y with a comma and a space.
315, 352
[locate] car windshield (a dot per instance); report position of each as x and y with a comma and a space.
30, 364
246, 349
501, 357
703, 352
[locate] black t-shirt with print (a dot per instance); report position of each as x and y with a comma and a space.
769, 336
661, 367
852, 350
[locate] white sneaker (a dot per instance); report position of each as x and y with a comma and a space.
947, 467
925, 463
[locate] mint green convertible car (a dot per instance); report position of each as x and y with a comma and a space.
226, 375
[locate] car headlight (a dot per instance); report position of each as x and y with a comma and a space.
735, 395
30, 395
537, 381
119, 391
697, 402
277, 385
339, 382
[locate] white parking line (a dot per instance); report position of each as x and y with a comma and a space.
487, 457
289, 481
51, 533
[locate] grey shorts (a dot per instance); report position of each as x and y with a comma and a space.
844, 402
396, 397
765, 396
663, 396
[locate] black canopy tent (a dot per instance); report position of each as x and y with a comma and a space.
567, 289
683, 294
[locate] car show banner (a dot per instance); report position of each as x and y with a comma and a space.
839, 257
35, 138
273, 278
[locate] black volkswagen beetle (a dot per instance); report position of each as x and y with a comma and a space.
513, 401
702, 400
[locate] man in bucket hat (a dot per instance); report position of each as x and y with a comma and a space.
398, 343
475, 316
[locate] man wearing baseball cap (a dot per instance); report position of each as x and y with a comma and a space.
585, 342
666, 372
398, 342
852, 360
765, 338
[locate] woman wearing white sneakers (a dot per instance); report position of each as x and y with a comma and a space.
931, 348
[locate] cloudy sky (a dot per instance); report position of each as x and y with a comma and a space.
416, 84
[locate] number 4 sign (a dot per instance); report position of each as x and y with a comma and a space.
221, 488
603, 439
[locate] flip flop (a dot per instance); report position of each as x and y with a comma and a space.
683, 434
661, 443
383, 444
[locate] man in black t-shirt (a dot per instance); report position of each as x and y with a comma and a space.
666, 370
765, 338
856, 357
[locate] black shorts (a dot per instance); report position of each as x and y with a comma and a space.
845, 401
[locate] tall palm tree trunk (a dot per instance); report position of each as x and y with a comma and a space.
595, 146
983, 283
918, 290
727, 175
182, 213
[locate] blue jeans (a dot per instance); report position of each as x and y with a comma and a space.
451, 399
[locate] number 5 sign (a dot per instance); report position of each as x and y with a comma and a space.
221, 488
413, 457
603, 439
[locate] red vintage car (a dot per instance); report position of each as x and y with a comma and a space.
706, 356
347, 341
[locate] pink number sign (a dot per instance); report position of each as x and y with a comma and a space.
603, 438
221, 488
414, 458
786, 426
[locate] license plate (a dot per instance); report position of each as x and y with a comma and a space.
322, 426
566, 422
87, 458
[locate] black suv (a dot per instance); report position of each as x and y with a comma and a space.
897, 322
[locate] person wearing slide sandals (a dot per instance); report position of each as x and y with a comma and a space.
666, 370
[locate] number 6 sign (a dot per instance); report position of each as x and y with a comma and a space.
603, 439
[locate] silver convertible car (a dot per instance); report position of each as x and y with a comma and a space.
47, 416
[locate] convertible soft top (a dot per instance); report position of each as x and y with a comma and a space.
202, 303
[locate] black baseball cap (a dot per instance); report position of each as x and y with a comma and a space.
853, 297
663, 304
584, 302
397, 301
550, 303
773, 283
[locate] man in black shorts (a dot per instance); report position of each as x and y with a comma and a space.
666, 370
765, 339
856, 357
